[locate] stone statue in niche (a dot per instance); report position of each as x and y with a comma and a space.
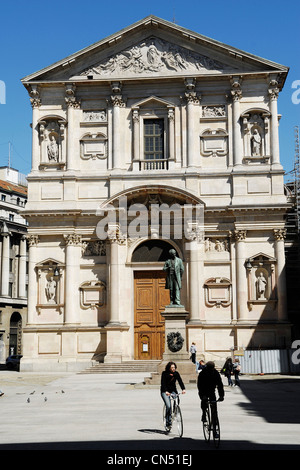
51, 290
261, 286
52, 149
256, 143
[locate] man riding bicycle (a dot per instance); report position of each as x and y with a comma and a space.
208, 380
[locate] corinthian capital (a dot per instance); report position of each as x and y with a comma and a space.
73, 239
33, 240
35, 97
117, 100
273, 90
236, 89
279, 234
70, 97
240, 235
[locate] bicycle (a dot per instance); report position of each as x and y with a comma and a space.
211, 425
176, 415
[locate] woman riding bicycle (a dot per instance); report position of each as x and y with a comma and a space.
169, 377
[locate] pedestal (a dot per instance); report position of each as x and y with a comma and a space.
176, 343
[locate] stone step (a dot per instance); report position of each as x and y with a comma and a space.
123, 367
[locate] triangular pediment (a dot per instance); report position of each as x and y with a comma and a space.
154, 48
155, 56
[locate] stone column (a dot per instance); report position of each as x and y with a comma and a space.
273, 93
241, 278
5, 262
192, 99
32, 278
236, 94
136, 139
194, 249
281, 274
117, 102
171, 119
116, 242
72, 104
35, 103
73, 256
22, 267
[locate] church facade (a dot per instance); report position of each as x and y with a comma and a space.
155, 138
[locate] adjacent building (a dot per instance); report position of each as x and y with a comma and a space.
154, 138
13, 261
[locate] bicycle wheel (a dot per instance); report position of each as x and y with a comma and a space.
178, 420
206, 426
164, 418
216, 432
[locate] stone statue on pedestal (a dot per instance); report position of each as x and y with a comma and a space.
174, 267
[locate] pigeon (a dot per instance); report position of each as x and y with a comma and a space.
28, 400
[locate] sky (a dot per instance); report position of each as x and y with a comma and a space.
35, 34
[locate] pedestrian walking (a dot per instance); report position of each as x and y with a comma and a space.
200, 365
236, 372
193, 351
227, 370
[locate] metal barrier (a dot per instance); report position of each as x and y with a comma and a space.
269, 361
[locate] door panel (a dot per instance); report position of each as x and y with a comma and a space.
151, 297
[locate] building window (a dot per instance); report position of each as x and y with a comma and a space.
154, 141
10, 289
11, 217
3, 197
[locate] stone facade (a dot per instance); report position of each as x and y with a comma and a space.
13, 261
154, 115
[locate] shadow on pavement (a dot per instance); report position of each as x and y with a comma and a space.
141, 447
276, 400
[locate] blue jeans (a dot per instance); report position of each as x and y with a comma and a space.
167, 401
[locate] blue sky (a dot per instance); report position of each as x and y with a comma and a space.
35, 34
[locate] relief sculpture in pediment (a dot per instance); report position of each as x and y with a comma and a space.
154, 55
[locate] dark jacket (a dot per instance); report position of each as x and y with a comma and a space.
227, 368
208, 381
168, 382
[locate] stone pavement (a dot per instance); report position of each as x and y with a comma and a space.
115, 412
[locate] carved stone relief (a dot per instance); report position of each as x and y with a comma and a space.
94, 116
151, 56
216, 244
213, 111
94, 248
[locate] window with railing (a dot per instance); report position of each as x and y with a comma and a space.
154, 152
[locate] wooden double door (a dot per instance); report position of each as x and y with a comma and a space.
150, 299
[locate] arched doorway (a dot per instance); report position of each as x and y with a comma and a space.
15, 334
150, 299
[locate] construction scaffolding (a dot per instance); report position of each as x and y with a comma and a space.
297, 177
